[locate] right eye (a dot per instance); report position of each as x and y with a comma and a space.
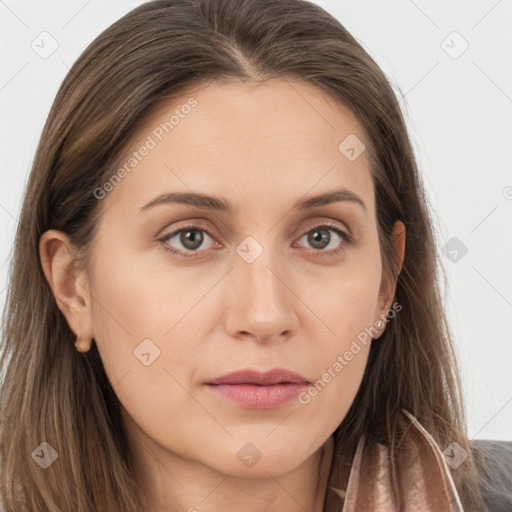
191, 238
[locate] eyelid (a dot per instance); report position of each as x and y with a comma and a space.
203, 223
345, 235
191, 225
179, 226
343, 232
335, 224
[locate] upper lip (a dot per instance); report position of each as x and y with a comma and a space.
265, 378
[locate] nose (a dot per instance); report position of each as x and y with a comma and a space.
262, 305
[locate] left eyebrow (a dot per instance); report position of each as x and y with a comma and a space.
334, 196
220, 204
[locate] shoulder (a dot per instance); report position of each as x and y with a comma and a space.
494, 464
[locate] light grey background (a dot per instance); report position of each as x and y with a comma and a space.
458, 106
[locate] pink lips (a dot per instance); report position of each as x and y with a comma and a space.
259, 390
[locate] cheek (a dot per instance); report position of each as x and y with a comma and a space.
146, 351
347, 302
340, 359
347, 307
135, 297
136, 315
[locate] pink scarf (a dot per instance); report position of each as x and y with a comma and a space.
427, 486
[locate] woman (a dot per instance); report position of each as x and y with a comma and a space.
224, 291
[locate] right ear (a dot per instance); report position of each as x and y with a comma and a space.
69, 286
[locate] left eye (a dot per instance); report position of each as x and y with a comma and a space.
192, 237
320, 238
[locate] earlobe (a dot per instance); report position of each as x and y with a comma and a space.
56, 253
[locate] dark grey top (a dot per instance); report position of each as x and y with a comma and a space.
495, 476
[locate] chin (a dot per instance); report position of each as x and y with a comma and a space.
256, 460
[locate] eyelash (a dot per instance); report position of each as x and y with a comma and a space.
346, 238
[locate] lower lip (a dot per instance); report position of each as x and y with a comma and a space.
252, 396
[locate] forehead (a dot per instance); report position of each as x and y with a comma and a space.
278, 138
239, 111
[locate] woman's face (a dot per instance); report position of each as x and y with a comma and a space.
262, 286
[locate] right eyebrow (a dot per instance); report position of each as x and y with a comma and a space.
198, 200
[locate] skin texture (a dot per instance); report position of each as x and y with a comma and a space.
262, 147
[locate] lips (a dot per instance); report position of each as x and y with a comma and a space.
256, 377
253, 389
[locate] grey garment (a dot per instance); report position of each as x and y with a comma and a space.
495, 473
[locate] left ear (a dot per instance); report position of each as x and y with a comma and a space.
388, 285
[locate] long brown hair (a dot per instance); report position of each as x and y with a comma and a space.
52, 394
